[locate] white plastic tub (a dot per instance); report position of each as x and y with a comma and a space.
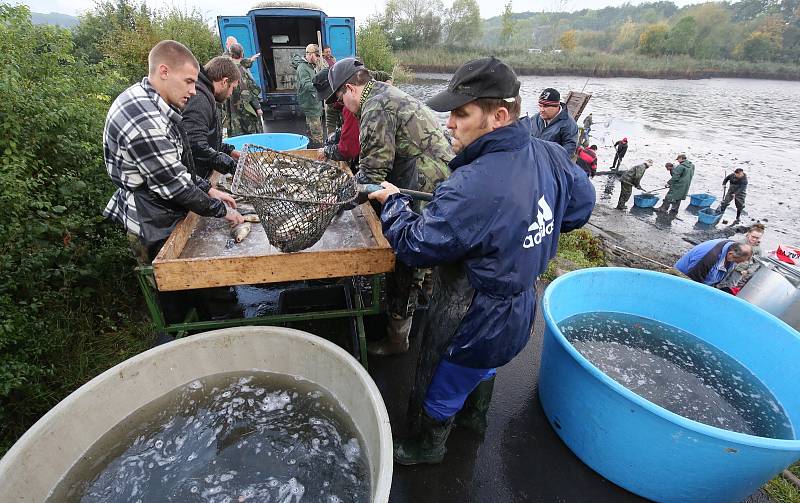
36, 463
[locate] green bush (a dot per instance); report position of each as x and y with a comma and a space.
373, 48
67, 296
122, 32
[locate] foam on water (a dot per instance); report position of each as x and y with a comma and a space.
231, 437
678, 371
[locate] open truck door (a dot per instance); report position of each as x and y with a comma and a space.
340, 35
241, 27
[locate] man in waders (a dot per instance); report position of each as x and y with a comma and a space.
678, 184
149, 159
630, 179
737, 192
401, 142
490, 230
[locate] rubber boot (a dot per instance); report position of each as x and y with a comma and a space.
473, 415
396, 340
428, 446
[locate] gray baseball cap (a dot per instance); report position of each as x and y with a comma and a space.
341, 73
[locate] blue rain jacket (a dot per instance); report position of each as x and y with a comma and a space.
497, 218
705, 263
562, 130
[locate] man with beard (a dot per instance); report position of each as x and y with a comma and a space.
201, 120
490, 230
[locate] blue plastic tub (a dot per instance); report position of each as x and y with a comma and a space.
709, 216
645, 200
275, 141
637, 444
701, 200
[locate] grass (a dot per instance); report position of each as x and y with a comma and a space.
441, 59
578, 249
781, 490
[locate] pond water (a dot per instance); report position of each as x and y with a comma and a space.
234, 437
678, 371
721, 124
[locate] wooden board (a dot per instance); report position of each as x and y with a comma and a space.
576, 102
195, 255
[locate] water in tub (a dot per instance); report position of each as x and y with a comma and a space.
232, 437
678, 371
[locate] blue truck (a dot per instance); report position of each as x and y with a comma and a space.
278, 32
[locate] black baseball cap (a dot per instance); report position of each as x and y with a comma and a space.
321, 84
341, 73
479, 78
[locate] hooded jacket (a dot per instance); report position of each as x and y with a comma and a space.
203, 127
307, 96
491, 230
562, 130
682, 175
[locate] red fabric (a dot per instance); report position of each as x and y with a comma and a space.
349, 146
735, 290
588, 156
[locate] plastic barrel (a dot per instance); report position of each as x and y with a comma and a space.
645, 200
275, 141
701, 200
708, 216
637, 444
45, 453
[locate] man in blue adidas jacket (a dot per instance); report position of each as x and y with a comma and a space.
491, 229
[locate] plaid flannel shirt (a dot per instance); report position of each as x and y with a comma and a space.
142, 146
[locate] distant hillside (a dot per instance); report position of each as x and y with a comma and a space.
55, 18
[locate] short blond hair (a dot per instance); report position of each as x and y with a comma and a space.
312, 49
170, 53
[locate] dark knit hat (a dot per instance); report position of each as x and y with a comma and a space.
550, 97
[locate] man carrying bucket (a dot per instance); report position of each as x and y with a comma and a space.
490, 230
630, 179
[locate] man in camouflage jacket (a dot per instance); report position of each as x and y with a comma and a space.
244, 105
402, 143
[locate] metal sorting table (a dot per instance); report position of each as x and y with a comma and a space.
198, 255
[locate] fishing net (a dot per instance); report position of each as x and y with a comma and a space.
296, 198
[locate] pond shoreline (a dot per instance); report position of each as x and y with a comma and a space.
617, 73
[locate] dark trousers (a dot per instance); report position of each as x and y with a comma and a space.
617, 160
666, 206
625, 194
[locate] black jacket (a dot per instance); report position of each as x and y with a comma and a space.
202, 125
622, 148
738, 185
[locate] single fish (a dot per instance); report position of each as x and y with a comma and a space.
251, 218
241, 231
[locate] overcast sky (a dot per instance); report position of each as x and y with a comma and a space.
360, 9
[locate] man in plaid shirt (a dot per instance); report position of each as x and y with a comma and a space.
148, 157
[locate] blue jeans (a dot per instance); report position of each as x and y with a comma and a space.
449, 388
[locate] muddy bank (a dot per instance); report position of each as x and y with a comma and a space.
667, 73
632, 239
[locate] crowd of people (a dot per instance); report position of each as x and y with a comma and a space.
504, 186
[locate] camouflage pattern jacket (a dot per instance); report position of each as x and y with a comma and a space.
245, 95
401, 141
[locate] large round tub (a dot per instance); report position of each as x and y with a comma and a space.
637, 444
36, 463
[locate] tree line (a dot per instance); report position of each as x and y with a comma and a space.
751, 30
